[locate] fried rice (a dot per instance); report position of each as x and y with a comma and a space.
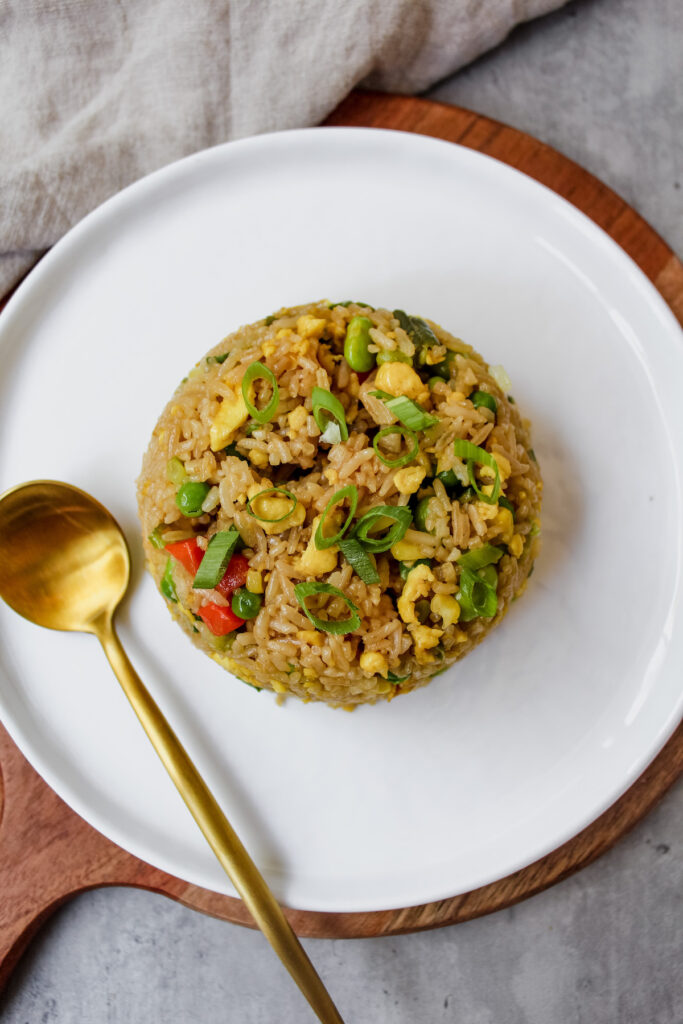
339, 502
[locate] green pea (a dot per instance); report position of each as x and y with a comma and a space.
190, 496
406, 567
394, 357
167, 585
245, 604
433, 381
421, 513
356, 344
443, 369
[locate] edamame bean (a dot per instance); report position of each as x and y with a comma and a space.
393, 357
356, 344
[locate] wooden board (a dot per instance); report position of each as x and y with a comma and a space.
48, 853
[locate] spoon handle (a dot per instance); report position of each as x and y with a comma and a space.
217, 830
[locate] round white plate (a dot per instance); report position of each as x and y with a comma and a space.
533, 735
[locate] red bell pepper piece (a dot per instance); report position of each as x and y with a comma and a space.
188, 553
235, 576
220, 620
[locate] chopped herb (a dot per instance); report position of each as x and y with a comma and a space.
337, 627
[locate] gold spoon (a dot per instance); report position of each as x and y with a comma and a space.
64, 564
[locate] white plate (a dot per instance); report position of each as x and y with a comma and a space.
529, 738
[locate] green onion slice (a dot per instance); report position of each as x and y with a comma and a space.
338, 627
156, 539
167, 585
215, 561
350, 492
175, 471
487, 554
257, 371
393, 678
401, 516
504, 503
484, 398
262, 494
232, 449
477, 598
408, 412
489, 575
327, 409
404, 459
419, 332
472, 453
359, 560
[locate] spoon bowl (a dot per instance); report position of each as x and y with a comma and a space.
64, 564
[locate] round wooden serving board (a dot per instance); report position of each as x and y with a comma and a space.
48, 853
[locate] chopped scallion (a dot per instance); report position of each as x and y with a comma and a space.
487, 554
167, 585
258, 371
156, 539
399, 514
350, 493
401, 460
326, 409
504, 503
215, 561
175, 471
393, 678
408, 412
483, 398
476, 598
337, 627
262, 494
359, 560
472, 453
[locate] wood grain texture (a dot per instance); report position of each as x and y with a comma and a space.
48, 853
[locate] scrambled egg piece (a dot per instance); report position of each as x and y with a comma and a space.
408, 480
297, 417
308, 326
400, 379
310, 636
445, 606
254, 581
424, 637
505, 524
232, 413
406, 551
272, 506
315, 560
516, 545
504, 468
374, 663
417, 585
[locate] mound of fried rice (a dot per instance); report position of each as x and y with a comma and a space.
412, 621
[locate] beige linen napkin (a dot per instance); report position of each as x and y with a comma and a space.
97, 93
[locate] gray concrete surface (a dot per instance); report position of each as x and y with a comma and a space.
601, 81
